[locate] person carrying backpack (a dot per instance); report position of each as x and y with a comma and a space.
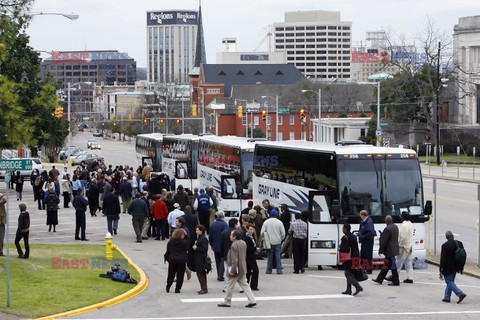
452, 260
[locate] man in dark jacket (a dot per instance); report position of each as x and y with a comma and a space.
448, 267
181, 197
125, 192
111, 208
389, 248
155, 186
93, 196
80, 204
215, 239
191, 222
286, 218
23, 231
366, 234
138, 209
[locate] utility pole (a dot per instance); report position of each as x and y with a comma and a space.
437, 140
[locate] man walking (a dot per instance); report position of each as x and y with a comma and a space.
405, 243
449, 269
80, 204
126, 193
215, 239
139, 211
23, 231
389, 248
298, 232
237, 269
366, 235
202, 204
273, 234
111, 208
3, 220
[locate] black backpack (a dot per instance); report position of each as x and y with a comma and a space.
460, 255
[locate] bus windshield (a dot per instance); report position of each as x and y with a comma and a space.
381, 186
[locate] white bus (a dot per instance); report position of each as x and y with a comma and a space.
335, 182
179, 159
149, 148
226, 164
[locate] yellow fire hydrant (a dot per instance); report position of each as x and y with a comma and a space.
109, 246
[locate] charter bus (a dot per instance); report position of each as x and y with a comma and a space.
179, 159
334, 183
149, 149
226, 164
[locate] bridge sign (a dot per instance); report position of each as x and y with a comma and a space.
14, 165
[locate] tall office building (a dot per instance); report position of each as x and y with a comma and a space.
318, 43
172, 45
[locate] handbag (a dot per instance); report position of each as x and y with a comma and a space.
207, 264
345, 256
361, 275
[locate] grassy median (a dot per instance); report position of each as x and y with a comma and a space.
51, 281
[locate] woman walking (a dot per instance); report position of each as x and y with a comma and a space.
349, 244
19, 185
252, 267
201, 249
177, 255
51, 203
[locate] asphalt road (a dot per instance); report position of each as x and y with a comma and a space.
314, 294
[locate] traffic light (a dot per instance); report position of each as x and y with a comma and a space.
145, 121
58, 112
194, 110
264, 115
240, 111
427, 137
302, 114
178, 122
161, 122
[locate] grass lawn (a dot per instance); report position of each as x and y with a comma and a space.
36, 289
451, 158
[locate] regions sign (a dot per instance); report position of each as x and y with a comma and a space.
157, 18
13, 165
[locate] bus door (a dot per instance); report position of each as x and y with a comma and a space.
182, 172
231, 194
148, 161
322, 229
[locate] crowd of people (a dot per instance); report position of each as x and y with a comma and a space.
192, 223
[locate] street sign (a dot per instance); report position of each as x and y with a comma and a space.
378, 133
383, 123
13, 165
283, 111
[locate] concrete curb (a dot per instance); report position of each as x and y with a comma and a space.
142, 284
465, 272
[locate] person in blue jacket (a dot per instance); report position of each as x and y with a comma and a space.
366, 234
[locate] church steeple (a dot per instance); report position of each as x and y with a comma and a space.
200, 56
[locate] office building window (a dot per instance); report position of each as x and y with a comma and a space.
280, 120
292, 120
292, 135
244, 121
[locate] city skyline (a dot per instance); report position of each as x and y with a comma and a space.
122, 27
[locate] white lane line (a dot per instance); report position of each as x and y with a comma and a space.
331, 277
443, 284
274, 298
317, 315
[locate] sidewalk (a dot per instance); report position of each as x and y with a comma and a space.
452, 173
470, 269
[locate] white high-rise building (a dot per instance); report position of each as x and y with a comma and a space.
171, 45
318, 43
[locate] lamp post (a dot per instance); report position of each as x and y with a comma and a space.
276, 114
70, 16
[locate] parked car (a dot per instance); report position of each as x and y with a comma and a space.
85, 158
36, 164
89, 142
98, 134
95, 145
67, 152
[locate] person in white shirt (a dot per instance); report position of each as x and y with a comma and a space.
273, 234
173, 215
405, 244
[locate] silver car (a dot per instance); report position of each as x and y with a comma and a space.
85, 158
95, 145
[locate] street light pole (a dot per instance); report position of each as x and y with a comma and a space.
70, 16
69, 115
276, 118
437, 140
319, 134
378, 115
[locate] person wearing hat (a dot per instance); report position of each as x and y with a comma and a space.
202, 204
3, 220
172, 216
273, 234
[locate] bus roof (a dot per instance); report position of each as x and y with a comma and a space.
151, 136
330, 147
185, 136
234, 141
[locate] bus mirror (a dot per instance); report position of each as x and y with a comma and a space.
335, 209
428, 208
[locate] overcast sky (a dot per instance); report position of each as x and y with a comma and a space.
121, 24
